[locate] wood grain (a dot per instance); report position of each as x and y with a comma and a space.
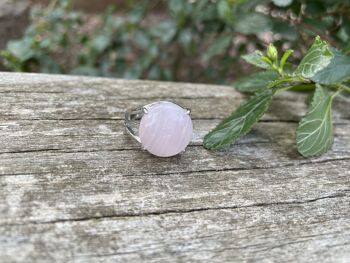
75, 188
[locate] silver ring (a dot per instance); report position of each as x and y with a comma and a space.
165, 130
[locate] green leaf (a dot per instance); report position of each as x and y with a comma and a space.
225, 10
336, 72
317, 58
282, 3
85, 71
255, 59
255, 82
217, 47
285, 30
142, 39
253, 23
165, 31
346, 49
239, 123
176, 6
21, 49
315, 131
185, 39
48, 65
100, 43
135, 16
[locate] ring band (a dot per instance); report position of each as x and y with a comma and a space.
130, 116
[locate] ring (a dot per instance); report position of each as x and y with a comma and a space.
165, 128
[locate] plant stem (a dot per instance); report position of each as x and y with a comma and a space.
336, 93
344, 87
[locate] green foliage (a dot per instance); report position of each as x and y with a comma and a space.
315, 131
257, 59
322, 69
240, 122
336, 72
282, 3
318, 57
253, 23
217, 47
48, 34
256, 81
193, 41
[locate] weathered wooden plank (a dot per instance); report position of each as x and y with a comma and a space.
63, 195
91, 98
313, 231
94, 135
270, 145
74, 188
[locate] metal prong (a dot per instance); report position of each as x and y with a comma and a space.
145, 109
131, 116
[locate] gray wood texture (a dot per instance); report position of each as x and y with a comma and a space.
75, 188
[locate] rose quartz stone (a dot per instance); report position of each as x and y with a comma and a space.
166, 129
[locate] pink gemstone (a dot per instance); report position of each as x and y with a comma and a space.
166, 129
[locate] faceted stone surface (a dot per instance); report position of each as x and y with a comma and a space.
166, 129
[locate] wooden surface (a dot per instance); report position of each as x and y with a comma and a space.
75, 188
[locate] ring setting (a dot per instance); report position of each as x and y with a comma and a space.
165, 128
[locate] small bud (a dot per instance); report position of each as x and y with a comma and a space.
272, 52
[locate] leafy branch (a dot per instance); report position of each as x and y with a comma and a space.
323, 69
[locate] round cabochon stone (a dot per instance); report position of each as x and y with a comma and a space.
166, 129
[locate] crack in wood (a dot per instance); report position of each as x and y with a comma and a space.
136, 148
210, 170
251, 168
184, 211
30, 92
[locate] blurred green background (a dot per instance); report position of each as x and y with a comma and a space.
176, 40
